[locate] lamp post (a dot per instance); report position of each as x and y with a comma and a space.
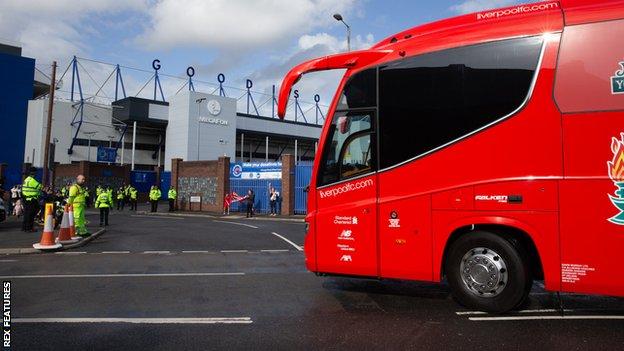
110, 143
198, 102
89, 135
339, 18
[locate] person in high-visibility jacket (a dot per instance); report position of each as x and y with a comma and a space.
154, 196
134, 194
109, 190
121, 199
77, 198
172, 195
104, 202
31, 191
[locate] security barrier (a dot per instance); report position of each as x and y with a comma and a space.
303, 174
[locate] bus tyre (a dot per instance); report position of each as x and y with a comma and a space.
487, 272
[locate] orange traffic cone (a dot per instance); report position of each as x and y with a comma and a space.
64, 236
72, 226
47, 238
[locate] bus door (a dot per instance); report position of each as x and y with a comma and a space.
346, 239
589, 92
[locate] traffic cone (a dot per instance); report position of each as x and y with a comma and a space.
47, 237
64, 236
72, 227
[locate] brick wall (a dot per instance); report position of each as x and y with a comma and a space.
288, 185
96, 173
208, 179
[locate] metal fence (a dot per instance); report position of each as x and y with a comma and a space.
303, 174
142, 181
165, 184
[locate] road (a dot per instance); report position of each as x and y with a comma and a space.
163, 283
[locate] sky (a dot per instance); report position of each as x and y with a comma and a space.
243, 39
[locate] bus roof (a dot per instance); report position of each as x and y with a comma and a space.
521, 20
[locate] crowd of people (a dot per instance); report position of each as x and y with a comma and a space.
28, 201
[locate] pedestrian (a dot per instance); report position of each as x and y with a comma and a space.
154, 196
227, 201
16, 195
121, 199
31, 191
273, 201
104, 202
172, 195
78, 199
251, 198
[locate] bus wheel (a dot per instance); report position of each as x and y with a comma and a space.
488, 272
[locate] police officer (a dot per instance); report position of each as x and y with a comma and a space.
78, 199
172, 195
31, 191
121, 199
154, 196
134, 194
104, 202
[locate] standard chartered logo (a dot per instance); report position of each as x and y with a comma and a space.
346, 188
213, 120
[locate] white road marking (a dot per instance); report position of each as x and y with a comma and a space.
120, 275
157, 252
164, 217
234, 251
236, 223
115, 252
8, 260
299, 248
463, 313
224, 320
274, 250
527, 318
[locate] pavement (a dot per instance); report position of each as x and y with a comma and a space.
14, 241
204, 283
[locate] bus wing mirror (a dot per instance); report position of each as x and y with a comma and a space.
339, 61
306, 189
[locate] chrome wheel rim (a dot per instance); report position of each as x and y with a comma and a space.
484, 272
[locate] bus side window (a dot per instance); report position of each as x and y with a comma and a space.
429, 101
590, 68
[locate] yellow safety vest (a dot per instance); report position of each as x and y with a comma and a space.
103, 200
77, 195
31, 188
172, 194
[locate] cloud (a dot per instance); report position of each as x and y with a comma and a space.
232, 25
471, 6
54, 30
309, 46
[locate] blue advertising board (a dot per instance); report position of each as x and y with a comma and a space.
106, 154
256, 170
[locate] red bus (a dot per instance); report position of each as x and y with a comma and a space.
485, 149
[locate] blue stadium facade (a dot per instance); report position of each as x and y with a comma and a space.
18, 73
